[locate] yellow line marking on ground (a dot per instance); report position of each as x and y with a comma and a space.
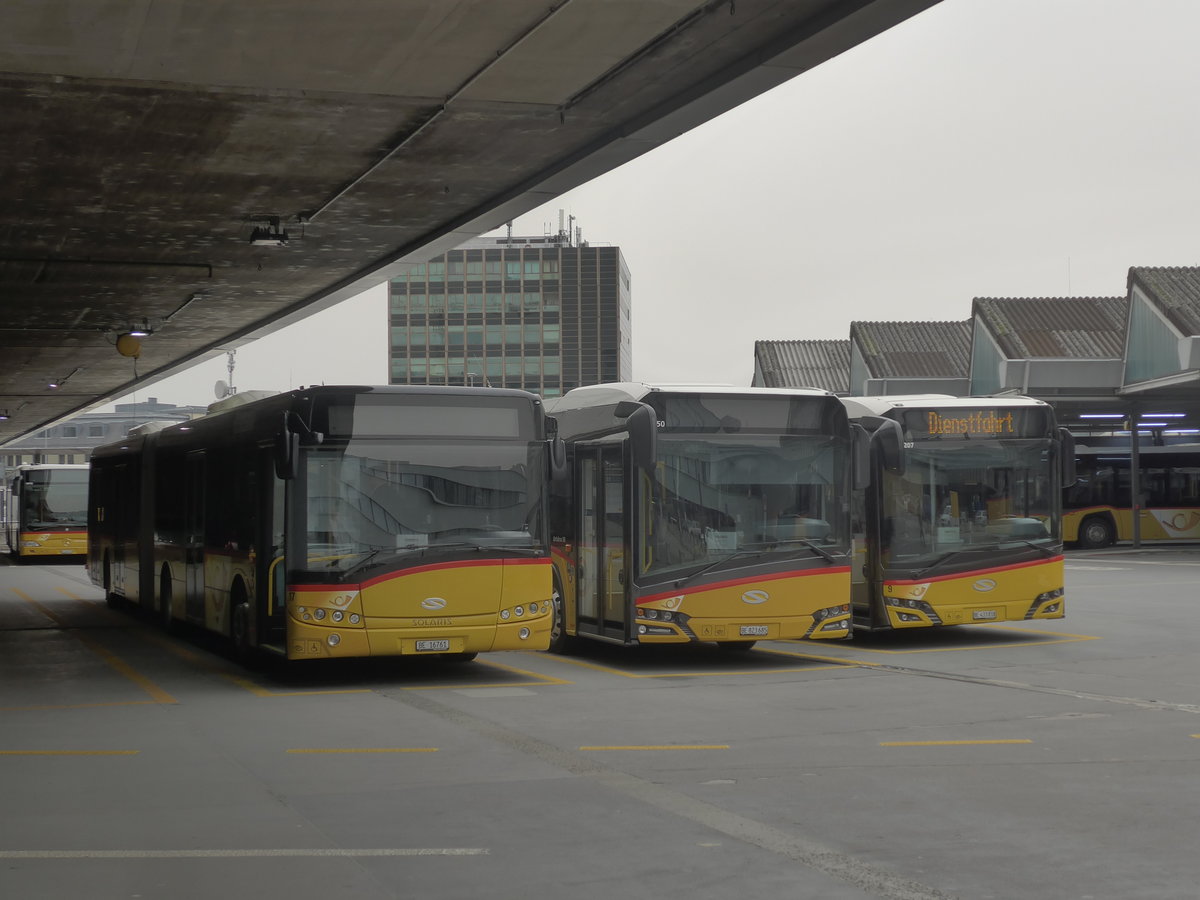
952, 743
1061, 638
546, 679
662, 747
47, 706
540, 680
365, 750
242, 853
834, 664
834, 661
114, 661
69, 752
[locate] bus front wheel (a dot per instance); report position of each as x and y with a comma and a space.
1095, 532
560, 641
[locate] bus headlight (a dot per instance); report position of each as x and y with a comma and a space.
333, 640
504, 614
318, 614
523, 634
338, 615
354, 618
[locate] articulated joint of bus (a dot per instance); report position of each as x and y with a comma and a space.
908, 612
1047, 606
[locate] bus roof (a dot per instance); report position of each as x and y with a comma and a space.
614, 392
881, 406
41, 467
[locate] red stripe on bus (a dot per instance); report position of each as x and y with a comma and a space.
753, 579
431, 567
975, 573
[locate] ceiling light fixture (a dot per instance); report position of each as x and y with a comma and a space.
269, 235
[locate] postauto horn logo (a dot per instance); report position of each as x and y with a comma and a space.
983, 585
755, 597
432, 603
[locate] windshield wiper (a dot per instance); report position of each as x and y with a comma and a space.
919, 573
811, 545
1045, 551
739, 552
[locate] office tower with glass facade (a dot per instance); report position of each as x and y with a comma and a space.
545, 314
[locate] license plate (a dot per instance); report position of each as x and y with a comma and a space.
753, 631
433, 646
983, 614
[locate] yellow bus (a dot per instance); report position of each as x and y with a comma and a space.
1097, 510
960, 520
46, 512
700, 514
336, 522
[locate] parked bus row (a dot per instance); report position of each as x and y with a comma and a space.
45, 511
356, 521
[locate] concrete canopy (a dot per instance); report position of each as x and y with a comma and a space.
145, 141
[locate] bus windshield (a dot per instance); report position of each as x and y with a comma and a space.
729, 494
969, 496
55, 499
376, 497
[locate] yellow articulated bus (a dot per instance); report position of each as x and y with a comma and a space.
960, 520
337, 522
701, 514
46, 512
1097, 509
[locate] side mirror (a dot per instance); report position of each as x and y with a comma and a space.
1066, 449
642, 426
287, 451
860, 457
888, 440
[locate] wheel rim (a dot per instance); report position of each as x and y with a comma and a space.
557, 626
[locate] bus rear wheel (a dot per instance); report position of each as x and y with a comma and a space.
1095, 532
164, 601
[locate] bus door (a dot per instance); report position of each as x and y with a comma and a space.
271, 575
602, 608
193, 546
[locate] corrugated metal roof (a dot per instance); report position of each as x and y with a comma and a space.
1056, 327
914, 349
792, 364
1175, 291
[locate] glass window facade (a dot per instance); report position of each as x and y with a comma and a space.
536, 314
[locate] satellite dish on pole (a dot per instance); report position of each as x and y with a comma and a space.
221, 389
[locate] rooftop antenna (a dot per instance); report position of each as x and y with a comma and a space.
510, 231
224, 388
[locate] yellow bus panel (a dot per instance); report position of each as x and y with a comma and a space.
428, 610
1014, 593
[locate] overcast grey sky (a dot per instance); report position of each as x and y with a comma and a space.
984, 148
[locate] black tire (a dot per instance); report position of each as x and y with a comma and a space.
1096, 532
165, 592
240, 646
560, 641
113, 601
736, 646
